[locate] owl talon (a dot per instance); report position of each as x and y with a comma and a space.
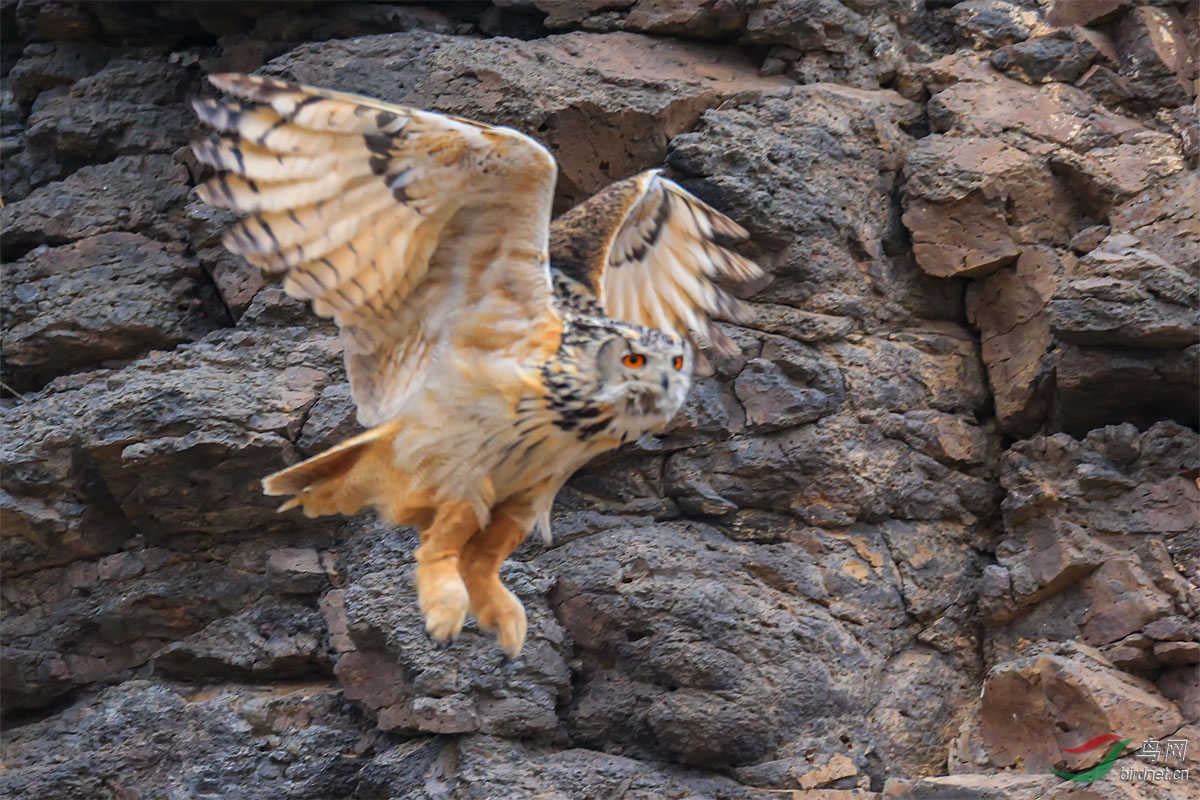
503, 614
445, 611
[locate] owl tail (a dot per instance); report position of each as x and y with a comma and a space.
344, 478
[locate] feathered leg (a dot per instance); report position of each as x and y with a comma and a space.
441, 593
496, 608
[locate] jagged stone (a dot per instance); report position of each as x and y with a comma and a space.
1035, 707
132, 193
562, 89
1156, 60
104, 298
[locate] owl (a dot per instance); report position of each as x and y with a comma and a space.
490, 353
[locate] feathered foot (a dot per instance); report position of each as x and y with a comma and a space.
441, 592
497, 609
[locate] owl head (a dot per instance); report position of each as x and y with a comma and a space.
644, 372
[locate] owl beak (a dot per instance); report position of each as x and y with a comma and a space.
645, 403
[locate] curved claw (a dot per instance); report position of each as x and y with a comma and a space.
502, 613
445, 609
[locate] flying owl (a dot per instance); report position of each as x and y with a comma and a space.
490, 352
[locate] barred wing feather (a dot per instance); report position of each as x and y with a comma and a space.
416, 232
652, 253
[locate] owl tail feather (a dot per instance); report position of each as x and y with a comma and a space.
344, 478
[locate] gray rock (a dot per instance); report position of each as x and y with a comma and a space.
105, 298
991, 23
1059, 56
232, 742
126, 108
121, 443
130, 193
268, 641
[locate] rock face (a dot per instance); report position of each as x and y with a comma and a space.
936, 521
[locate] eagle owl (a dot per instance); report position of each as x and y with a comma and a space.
490, 352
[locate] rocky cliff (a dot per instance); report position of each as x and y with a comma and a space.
937, 520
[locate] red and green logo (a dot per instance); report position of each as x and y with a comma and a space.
1100, 770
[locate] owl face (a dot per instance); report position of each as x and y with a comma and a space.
644, 371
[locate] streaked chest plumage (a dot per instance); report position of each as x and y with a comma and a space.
573, 418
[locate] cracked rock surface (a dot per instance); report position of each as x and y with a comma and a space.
934, 522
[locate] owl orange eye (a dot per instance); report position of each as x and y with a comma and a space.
677, 363
634, 360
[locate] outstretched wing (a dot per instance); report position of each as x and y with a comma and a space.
652, 253
416, 232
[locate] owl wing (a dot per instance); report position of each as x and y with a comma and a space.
416, 232
651, 252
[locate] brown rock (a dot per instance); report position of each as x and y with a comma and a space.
500, 768
1073, 12
832, 248
806, 26
994, 105
1111, 300
332, 419
1165, 218
790, 384
1105, 176
1177, 653
971, 203
706, 19
1003, 786
564, 13
1104, 84
1101, 386
1185, 123
1133, 654
1034, 707
1122, 599
1089, 527
127, 437
1179, 685
895, 481
1155, 57
1008, 309
299, 570
333, 609
49, 65
61, 21
406, 684
803, 774
1089, 239
268, 641
293, 738
234, 279
838, 41
947, 438
67, 628
1049, 557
